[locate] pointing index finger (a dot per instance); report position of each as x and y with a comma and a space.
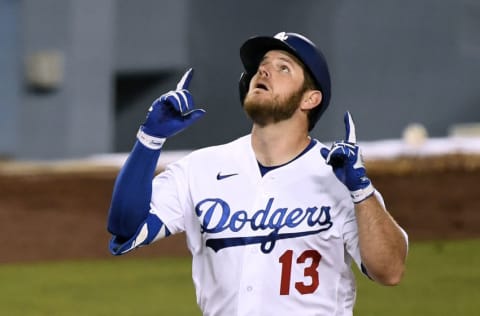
351, 136
185, 81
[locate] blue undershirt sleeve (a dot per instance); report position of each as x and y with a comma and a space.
132, 192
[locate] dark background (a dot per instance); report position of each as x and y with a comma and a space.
393, 63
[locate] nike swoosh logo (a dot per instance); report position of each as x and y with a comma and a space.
224, 176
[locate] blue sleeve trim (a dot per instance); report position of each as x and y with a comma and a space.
151, 229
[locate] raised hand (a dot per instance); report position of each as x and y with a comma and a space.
170, 114
346, 160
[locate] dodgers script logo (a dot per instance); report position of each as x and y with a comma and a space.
216, 216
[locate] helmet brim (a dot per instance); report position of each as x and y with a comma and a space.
253, 50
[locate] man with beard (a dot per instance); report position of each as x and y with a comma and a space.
274, 219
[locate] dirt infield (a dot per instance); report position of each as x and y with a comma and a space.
60, 214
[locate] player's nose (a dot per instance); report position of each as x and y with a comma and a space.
263, 71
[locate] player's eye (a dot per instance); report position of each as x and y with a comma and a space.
284, 68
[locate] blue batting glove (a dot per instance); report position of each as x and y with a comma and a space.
170, 114
346, 160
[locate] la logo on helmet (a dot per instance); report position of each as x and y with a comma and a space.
281, 36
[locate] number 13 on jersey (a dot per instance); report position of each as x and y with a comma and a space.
311, 280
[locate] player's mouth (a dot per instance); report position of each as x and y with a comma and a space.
261, 86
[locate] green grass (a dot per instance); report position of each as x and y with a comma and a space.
442, 278
121, 286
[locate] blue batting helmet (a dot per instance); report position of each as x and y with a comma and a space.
253, 50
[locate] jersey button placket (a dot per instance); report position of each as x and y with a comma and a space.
249, 287
248, 293
251, 276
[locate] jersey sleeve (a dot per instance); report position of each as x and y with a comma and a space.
171, 197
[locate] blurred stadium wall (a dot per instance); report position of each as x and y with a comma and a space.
77, 76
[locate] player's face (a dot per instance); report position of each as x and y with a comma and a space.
276, 90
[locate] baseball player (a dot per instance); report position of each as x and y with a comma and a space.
273, 219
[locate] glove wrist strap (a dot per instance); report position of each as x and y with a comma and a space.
362, 194
148, 141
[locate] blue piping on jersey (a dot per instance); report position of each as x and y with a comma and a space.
265, 169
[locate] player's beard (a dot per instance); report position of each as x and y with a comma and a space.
272, 110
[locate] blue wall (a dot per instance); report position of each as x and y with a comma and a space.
9, 75
392, 63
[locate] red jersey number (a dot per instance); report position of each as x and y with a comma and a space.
309, 272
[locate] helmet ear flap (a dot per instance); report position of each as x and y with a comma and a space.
243, 85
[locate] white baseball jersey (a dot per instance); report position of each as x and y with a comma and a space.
281, 244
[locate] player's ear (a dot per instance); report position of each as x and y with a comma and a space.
311, 99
